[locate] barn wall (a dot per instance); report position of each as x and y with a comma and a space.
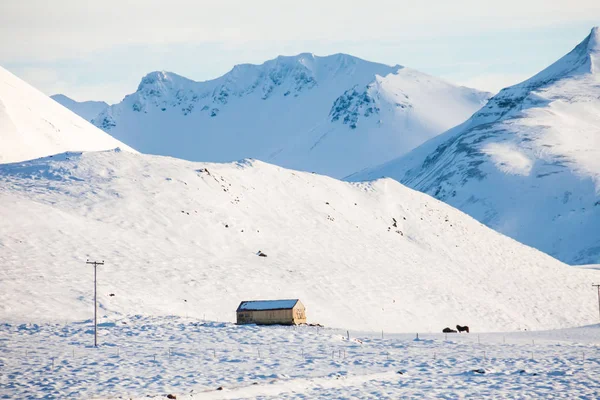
266, 317
299, 313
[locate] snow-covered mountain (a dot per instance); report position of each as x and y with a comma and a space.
33, 125
182, 238
333, 115
527, 164
87, 110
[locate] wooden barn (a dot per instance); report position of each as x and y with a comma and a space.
271, 312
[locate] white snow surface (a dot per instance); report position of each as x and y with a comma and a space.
332, 115
33, 125
150, 357
527, 164
87, 110
181, 238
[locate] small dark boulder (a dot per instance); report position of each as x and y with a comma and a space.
448, 330
171, 396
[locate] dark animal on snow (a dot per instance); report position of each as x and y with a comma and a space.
448, 330
462, 328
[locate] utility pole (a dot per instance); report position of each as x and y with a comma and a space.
597, 287
95, 264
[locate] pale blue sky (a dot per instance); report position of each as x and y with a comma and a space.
100, 50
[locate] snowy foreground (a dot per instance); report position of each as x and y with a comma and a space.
143, 357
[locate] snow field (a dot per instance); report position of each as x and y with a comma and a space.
152, 356
180, 238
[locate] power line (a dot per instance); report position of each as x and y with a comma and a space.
95, 264
598, 287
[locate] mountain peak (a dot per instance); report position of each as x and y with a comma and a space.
581, 60
593, 44
161, 80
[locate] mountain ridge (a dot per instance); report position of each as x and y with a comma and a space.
294, 111
87, 110
528, 163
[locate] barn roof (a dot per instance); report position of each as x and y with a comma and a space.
257, 305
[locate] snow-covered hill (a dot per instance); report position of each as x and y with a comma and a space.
181, 238
527, 164
333, 115
87, 110
33, 125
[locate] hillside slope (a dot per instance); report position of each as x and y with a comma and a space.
331, 115
33, 125
181, 238
527, 164
87, 110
